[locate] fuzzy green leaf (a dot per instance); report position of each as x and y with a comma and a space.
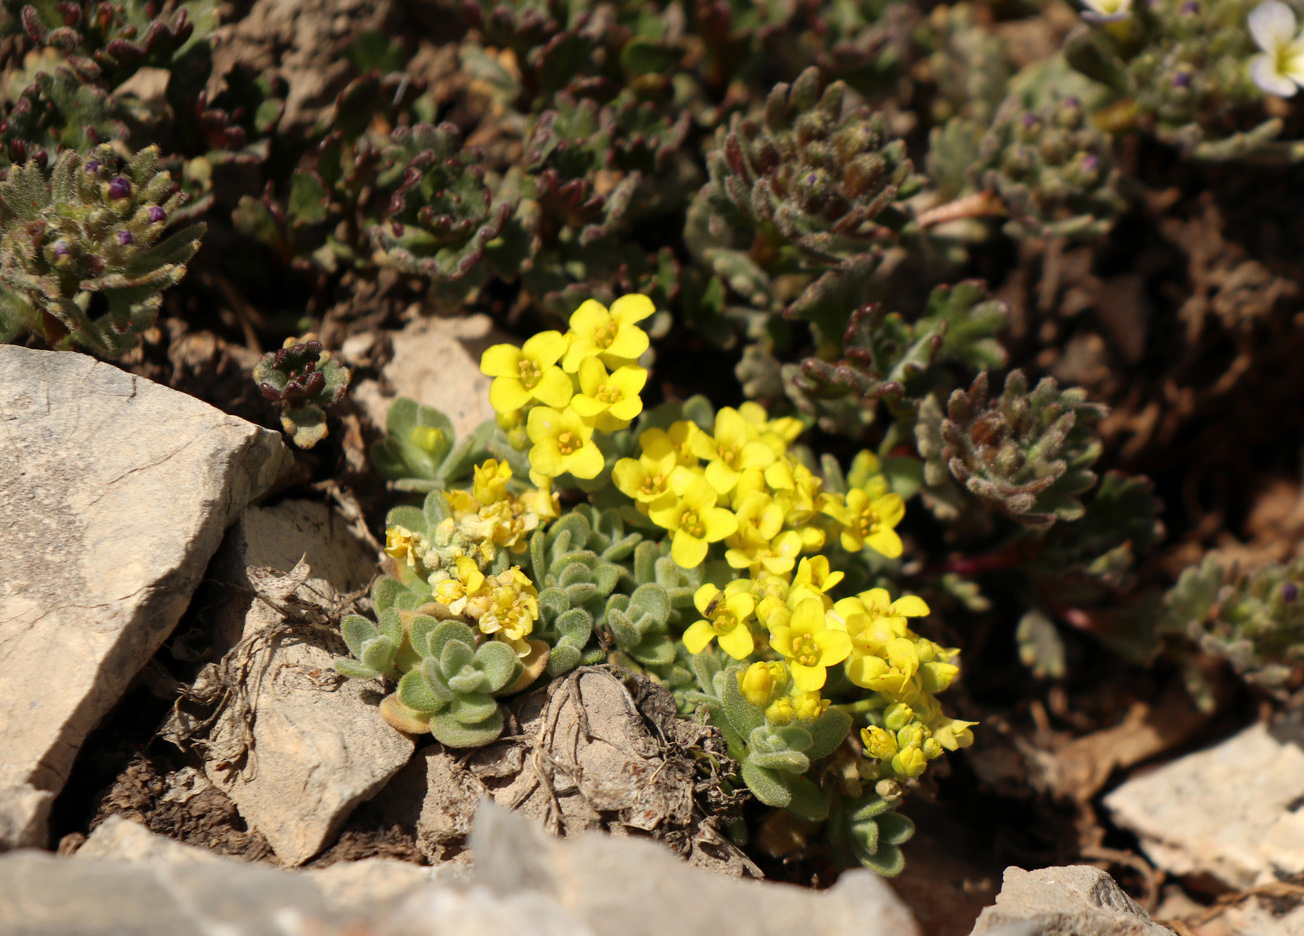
499, 664
768, 786
456, 734
416, 693
356, 631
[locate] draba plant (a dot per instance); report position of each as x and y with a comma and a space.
712, 553
83, 256
303, 379
1254, 620
1027, 452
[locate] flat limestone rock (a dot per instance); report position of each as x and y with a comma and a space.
1077, 899
45, 895
630, 887
294, 745
1232, 811
437, 362
114, 492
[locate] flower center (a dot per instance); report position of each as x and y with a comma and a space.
608, 394
530, 373
653, 485
724, 621
604, 335
866, 522
729, 455
805, 650
691, 523
569, 442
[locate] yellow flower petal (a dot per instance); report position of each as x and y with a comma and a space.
507, 394
632, 308
688, 551
553, 389
698, 636
738, 642
501, 360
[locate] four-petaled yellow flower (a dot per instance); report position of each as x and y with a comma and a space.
562, 443
694, 520
809, 645
610, 400
731, 449
611, 334
648, 478
870, 522
528, 373
724, 619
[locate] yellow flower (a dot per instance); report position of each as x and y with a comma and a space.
725, 618
909, 762
528, 373
778, 434
809, 645
813, 580
759, 544
610, 335
878, 743
732, 449
694, 520
457, 592
401, 543
490, 485
513, 609
562, 443
649, 477
611, 400
867, 522
952, 733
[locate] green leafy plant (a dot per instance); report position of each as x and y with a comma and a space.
83, 259
303, 379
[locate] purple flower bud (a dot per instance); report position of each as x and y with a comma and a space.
1182, 80
397, 227
1029, 121
157, 215
92, 166
125, 239
119, 188
1190, 7
1090, 163
812, 178
1289, 592
61, 249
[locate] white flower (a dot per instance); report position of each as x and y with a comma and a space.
1107, 11
1280, 68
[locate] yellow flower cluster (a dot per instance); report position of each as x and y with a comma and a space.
485, 520
564, 387
741, 485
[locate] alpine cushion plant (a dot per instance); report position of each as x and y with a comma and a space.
83, 254
712, 556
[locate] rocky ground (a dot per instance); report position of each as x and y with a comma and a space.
173, 728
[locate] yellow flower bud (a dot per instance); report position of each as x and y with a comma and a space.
780, 711
757, 683
912, 735
809, 706
932, 748
427, 438
909, 762
898, 716
878, 743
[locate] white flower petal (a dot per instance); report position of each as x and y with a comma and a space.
1106, 11
1292, 62
1263, 69
1272, 24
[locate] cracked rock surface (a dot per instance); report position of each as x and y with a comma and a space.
114, 493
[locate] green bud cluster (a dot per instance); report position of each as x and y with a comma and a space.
83, 259
1254, 620
420, 451
807, 173
445, 211
303, 379
1051, 169
1026, 452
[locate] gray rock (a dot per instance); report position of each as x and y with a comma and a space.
294, 745
44, 895
119, 839
1232, 811
1077, 899
24, 816
114, 493
437, 362
628, 887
